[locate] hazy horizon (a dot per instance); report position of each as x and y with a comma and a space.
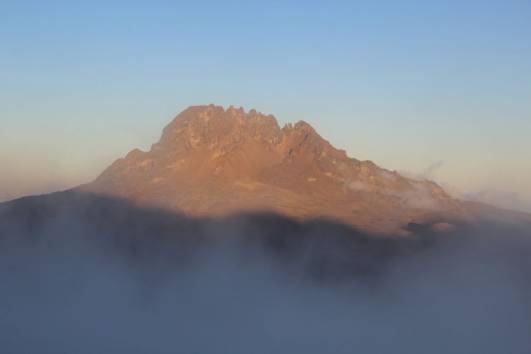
439, 90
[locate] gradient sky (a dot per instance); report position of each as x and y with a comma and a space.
434, 88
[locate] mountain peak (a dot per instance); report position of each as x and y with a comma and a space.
302, 125
211, 161
205, 124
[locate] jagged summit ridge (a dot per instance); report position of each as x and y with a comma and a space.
208, 124
213, 161
204, 123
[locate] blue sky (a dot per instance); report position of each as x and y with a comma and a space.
440, 88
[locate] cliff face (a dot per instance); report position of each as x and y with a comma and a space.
211, 161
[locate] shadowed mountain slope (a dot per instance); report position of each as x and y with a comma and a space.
149, 237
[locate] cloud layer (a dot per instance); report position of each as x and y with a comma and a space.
95, 276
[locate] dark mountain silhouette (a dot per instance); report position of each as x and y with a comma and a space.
318, 249
149, 237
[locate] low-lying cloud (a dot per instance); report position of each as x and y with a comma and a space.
99, 276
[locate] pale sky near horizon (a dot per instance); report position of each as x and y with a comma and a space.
434, 88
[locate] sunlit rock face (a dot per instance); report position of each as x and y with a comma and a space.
212, 161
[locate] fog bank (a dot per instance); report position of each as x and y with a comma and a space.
89, 275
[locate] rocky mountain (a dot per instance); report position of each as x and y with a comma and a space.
212, 161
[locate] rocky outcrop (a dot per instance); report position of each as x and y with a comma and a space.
214, 161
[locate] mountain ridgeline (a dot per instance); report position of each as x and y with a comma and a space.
212, 161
